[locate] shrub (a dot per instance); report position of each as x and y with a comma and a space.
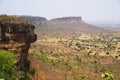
7, 66
110, 76
78, 45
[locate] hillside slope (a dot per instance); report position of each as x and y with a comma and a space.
63, 25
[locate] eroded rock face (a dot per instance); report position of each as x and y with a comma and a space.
16, 35
68, 19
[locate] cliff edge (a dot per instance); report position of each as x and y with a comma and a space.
16, 35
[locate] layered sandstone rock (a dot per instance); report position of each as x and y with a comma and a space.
16, 35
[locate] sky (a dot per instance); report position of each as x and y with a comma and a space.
91, 11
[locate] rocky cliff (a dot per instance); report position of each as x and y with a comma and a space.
67, 19
16, 35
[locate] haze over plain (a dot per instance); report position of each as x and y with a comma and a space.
95, 11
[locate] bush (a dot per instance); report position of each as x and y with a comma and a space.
78, 44
107, 75
7, 66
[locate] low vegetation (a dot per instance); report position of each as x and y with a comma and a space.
80, 58
8, 69
7, 66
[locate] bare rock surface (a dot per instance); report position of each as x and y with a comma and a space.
16, 35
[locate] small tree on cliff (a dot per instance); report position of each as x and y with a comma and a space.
7, 66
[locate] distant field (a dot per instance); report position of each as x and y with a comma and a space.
83, 57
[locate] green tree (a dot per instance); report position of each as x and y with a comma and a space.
78, 44
7, 66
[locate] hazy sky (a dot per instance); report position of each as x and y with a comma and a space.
90, 10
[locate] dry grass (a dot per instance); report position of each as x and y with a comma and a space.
58, 61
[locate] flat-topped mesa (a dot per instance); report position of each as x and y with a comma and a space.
16, 35
67, 19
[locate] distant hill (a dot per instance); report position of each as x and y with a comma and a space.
34, 19
76, 25
110, 26
114, 25
67, 19
63, 25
